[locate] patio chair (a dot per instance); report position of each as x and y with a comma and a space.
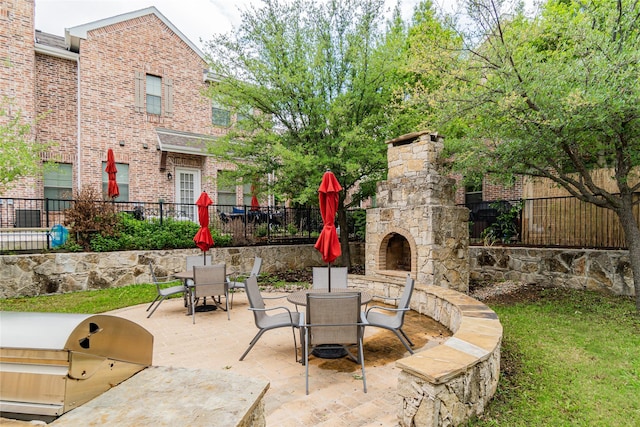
395, 321
209, 281
193, 260
239, 284
285, 318
338, 277
333, 320
163, 292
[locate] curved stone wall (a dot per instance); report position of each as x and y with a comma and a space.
446, 384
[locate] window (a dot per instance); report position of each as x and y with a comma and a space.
122, 178
246, 194
154, 94
220, 116
58, 186
226, 191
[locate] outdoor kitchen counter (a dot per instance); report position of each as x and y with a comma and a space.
165, 396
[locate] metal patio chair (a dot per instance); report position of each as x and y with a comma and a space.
163, 292
240, 284
333, 320
338, 277
284, 318
209, 281
394, 321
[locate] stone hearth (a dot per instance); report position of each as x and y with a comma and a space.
416, 228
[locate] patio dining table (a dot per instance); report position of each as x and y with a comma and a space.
300, 297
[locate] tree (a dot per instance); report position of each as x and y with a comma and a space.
19, 156
554, 96
323, 79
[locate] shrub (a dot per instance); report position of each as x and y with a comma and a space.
88, 217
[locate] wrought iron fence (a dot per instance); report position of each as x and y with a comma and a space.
548, 222
30, 224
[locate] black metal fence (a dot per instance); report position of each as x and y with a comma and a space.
30, 224
547, 222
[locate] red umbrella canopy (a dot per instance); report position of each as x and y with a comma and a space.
255, 204
328, 243
112, 188
203, 237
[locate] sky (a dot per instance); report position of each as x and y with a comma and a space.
196, 19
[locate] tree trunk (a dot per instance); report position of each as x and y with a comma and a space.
632, 237
344, 235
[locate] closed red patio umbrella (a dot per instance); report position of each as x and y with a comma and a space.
112, 187
328, 243
255, 204
203, 237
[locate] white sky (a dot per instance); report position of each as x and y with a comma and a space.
196, 19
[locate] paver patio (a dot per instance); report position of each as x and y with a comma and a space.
335, 398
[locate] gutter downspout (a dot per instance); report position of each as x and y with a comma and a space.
79, 145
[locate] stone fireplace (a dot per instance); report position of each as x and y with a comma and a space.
416, 228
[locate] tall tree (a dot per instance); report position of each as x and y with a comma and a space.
321, 77
554, 96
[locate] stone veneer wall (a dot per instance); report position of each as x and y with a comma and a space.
446, 384
591, 269
36, 274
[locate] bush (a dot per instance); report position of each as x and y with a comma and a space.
152, 235
88, 217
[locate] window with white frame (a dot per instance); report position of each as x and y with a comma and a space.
154, 94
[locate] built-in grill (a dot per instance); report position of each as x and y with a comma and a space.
51, 363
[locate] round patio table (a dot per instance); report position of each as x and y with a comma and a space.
300, 297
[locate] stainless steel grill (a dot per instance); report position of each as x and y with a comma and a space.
51, 363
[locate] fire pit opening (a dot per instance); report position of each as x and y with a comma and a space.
395, 253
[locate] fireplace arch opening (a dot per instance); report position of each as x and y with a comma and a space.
396, 253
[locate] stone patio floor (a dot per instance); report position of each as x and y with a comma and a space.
336, 396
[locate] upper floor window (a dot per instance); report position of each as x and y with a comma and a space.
122, 178
154, 94
220, 116
58, 186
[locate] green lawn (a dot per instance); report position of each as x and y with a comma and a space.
569, 358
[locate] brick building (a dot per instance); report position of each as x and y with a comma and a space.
133, 83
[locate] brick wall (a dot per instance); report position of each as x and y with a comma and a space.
494, 191
104, 81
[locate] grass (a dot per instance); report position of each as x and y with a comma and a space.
569, 358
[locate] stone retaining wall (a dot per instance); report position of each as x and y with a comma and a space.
445, 385
37, 274
591, 269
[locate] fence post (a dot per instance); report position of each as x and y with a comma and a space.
160, 203
46, 221
309, 220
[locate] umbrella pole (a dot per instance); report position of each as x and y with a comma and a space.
329, 275
204, 257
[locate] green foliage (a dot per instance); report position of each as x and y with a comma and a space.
358, 222
325, 79
19, 155
506, 225
152, 235
292, 229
